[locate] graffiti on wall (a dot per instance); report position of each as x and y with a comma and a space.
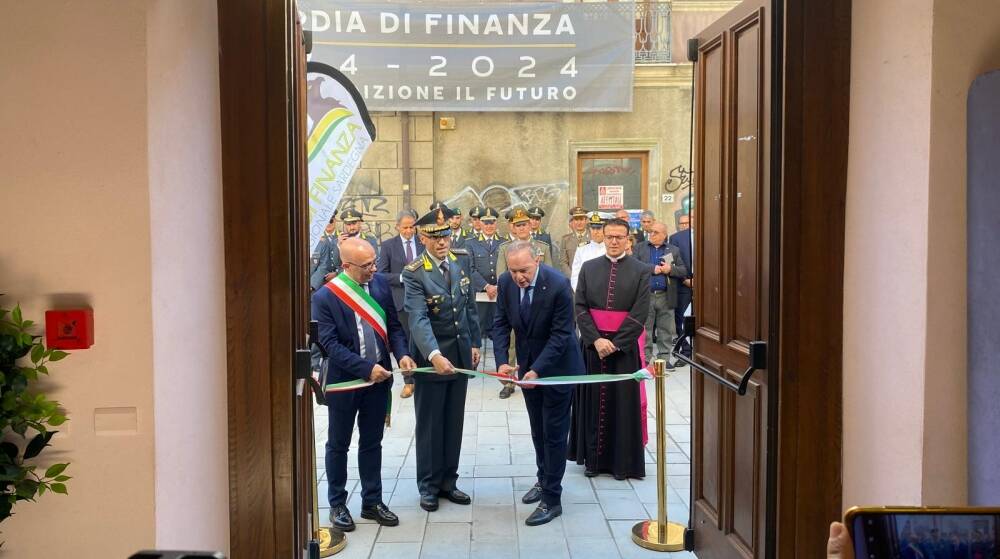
380, 215
503, 197
678, 178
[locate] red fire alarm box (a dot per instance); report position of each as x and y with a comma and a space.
69, 329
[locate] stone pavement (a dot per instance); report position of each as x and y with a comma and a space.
497, 468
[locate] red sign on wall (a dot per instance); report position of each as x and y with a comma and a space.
610, 197
69, 329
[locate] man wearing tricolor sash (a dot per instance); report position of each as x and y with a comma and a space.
358, 328
445, 334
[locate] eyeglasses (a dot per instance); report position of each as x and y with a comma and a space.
617, 238
369, 265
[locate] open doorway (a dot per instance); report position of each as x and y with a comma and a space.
261, 350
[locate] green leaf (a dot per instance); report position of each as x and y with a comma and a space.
41, 490
27, 488
55, 469
38, 442
63, 478
43, 369
57, 419
36, 353
58, 355
59, 488
26, 339
27, 324
16, 315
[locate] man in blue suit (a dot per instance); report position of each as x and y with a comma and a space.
396, 253
683, 241
358, 327
536, 302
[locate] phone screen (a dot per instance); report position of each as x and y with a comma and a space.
926, 535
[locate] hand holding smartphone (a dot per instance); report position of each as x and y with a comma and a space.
924, 532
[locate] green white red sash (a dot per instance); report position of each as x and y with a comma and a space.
355, 297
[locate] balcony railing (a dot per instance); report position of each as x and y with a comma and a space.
652, 32
652, 27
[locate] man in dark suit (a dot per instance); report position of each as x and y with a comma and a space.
666, 269
396, 253
536, 301
358, 327
444, 333
683, 241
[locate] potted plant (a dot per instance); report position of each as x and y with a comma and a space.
27, 416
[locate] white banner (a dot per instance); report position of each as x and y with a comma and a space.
340, 132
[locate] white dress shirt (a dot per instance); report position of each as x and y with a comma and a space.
587, 252
361, 332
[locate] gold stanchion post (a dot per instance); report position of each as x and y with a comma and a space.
331, 540
660, 534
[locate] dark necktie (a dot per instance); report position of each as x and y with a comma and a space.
526, 306
371, 350
409, 251
447, 276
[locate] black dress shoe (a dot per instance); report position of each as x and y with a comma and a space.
620, 477
543, 514
507, 391
341, 519
456, 496
533, 495
380, 514
429, 502
590, 473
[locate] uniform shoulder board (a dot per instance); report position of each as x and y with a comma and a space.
460, 251
414, 266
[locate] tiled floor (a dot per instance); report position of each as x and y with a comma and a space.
497, 467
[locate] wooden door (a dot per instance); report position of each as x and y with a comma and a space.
731, 244
608, 181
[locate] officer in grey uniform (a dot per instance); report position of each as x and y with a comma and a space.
485, 251
444, 333
323, 269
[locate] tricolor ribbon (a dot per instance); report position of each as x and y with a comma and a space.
640, 375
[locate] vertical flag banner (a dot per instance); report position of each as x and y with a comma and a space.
340, 132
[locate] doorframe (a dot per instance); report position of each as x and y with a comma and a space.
811, 150
256, 108
812, 49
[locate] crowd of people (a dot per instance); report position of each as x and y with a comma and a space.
605, 299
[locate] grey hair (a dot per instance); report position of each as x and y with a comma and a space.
405, 213
648, 213
518, 246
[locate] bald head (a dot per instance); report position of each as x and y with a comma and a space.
358, 258
657, 234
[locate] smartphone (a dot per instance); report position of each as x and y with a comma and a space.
924, 532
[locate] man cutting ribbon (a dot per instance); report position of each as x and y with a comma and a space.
536, 301
358, 327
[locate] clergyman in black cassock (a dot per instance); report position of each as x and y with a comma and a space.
612, 302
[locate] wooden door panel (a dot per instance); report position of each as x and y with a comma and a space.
711, 199
745, 466
745, 186
707, 487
